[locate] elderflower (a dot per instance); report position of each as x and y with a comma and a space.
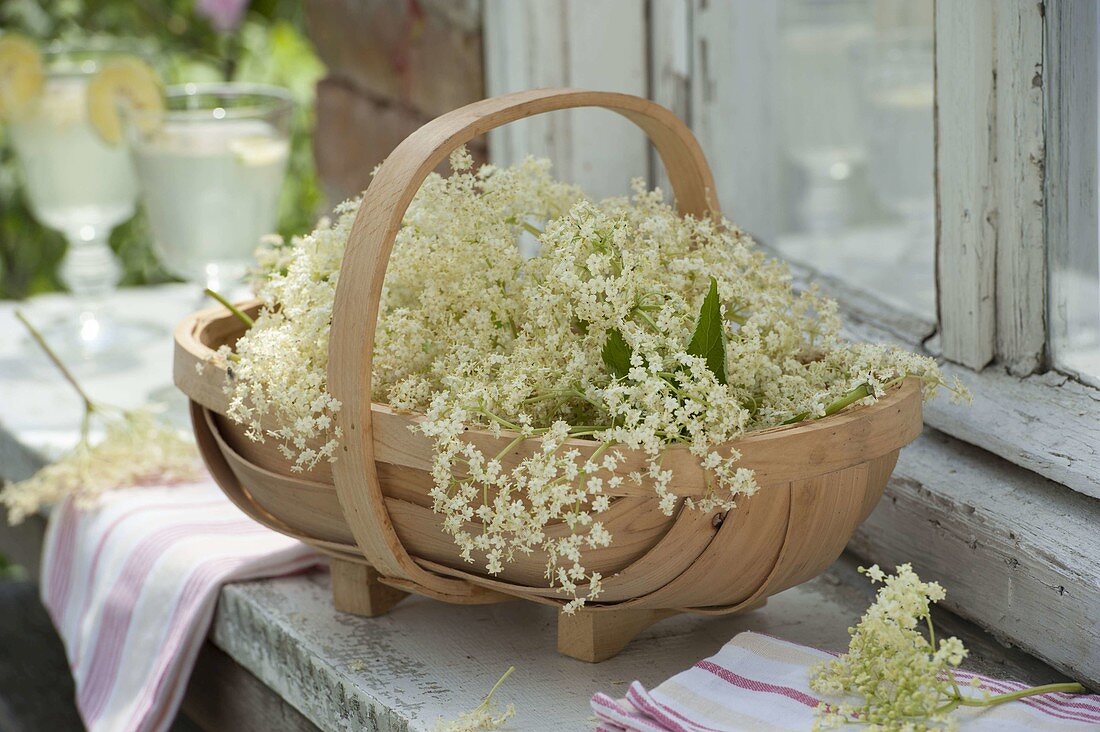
902, 677
137, 449
903, 680
587, 343
486, 716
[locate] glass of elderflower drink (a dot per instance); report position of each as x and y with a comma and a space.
211, 173
76, 173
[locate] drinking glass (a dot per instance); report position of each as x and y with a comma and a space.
83, 187
211, 172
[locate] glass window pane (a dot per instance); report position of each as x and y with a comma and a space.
854, 110
1075, 253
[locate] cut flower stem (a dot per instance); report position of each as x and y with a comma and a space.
89, 405
55, 359
237, 312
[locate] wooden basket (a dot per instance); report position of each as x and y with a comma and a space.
370, 510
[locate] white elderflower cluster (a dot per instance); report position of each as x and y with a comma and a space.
278, 368
631, 327
137, 449
485, 716
902, 677
900, 680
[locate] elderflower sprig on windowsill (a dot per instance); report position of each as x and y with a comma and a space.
901, 679
136, 449
486, 716
631, 327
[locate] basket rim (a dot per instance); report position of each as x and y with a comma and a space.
192, 350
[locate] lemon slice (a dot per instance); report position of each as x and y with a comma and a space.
21, 75
129, 83
259, 150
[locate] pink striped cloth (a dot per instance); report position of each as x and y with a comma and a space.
131, 586
757, 682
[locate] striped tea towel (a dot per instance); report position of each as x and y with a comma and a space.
757, 682
131, 586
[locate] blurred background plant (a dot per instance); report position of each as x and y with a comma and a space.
193, 40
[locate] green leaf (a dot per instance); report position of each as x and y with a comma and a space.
708, 341
616, 353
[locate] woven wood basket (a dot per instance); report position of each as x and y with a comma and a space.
370, 510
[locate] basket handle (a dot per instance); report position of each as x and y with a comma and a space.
359, 289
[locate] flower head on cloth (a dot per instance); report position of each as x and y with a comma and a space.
757, 682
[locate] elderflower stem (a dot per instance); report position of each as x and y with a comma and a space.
500, 420
240, 315
932, 643
89, 405
648, 320
497, 685
1069, 687
860, 392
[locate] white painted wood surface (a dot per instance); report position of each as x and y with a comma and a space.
426, 660
40, 409
965, 196
990, 174
1018, 181
587, 44
1017, 554
1047, 423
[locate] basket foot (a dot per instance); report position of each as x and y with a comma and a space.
597, 635
356, 589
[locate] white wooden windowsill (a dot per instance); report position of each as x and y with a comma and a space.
426, 659
1048, 423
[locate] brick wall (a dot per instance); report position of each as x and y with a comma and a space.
393, 65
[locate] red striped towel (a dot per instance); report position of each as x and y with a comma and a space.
131, 586
757, 682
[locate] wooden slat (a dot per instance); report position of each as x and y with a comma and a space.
791, 453
1045, 423
738, 560
1019, 180
636, 529
797, 453
965, 197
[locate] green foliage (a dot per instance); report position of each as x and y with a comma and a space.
269, 46
707, 341
616, 353
9, 571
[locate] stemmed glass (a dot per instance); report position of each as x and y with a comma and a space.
211, 172
83, 187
